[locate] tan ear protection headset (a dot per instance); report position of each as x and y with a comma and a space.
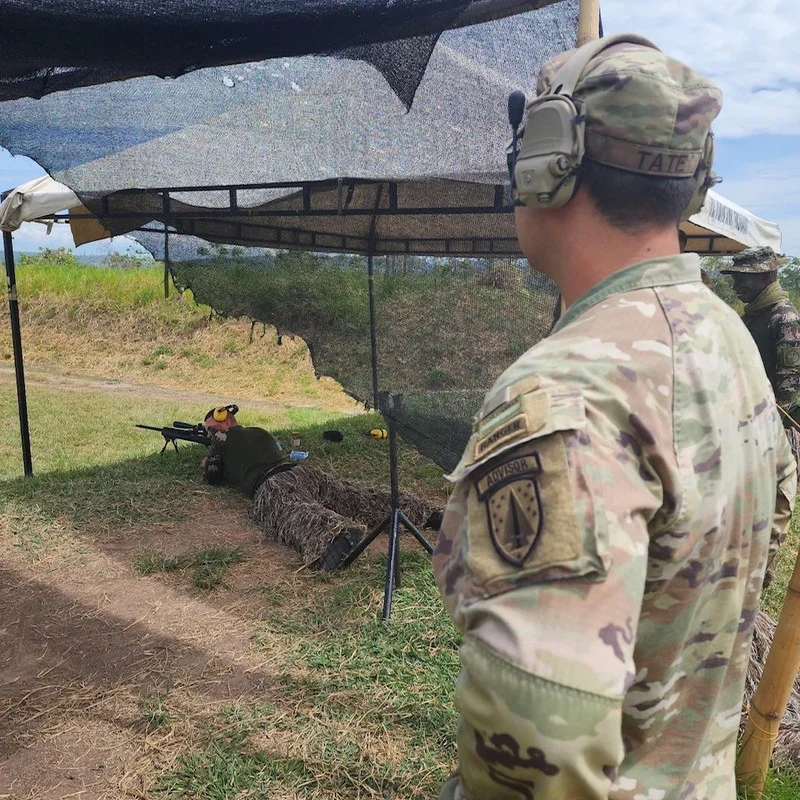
545, 161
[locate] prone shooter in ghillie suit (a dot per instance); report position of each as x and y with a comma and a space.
319, 515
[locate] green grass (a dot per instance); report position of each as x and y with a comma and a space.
351, 689
209, 565
116, 323
100, 286
355, 707
153, 711
782, 784
153, 563
75, 430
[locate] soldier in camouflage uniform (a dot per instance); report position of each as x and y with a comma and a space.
772, 321
321, 516
606, 540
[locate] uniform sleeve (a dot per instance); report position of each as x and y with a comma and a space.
785, 327
788, 447
213, 470
542, 563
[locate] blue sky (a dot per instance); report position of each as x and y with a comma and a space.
750, 49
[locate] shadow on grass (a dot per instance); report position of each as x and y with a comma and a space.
358, 706
158, 489
63, 656
370, 707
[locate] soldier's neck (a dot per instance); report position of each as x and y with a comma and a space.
592, 250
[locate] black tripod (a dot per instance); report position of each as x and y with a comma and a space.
395, 518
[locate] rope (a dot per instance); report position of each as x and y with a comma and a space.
768, 737
788, 415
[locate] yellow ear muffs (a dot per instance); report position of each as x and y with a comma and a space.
221, 414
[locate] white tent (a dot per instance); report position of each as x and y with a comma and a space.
43, 197
722, 227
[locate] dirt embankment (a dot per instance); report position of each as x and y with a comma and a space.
169, 343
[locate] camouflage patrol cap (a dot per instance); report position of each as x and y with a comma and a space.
645, 112
755, 260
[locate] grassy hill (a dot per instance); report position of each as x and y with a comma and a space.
116, 324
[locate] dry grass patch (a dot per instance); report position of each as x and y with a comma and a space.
117, 324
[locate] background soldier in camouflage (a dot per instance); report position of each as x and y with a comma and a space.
321, 516
772, 321
605, 544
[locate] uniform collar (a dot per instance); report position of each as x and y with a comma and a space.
773, 294
664, 271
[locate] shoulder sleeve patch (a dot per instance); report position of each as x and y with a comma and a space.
529, 520
512, 422
789, 356
524, 417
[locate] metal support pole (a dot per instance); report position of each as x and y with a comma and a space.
373, 334
166, 261
396, 518
16, 341
391, 414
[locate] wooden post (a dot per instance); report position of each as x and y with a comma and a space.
588, 21
769, 702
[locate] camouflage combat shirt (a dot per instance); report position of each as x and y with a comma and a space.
240, 456
775, 325
605, 545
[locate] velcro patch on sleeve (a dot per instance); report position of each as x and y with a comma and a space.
789, 356
509, 423
525, 524
509, 431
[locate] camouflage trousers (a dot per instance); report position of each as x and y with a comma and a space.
794, 442
306, 509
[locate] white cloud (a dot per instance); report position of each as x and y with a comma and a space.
33, 235
768, 188
750, 49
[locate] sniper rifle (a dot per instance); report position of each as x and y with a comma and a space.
183, 431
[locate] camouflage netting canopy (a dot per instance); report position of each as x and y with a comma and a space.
394, 145
445, 328
332, 137
54, 45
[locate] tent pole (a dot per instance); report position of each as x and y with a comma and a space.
166, 261
16, 341
391, 525
373, 335
588, 21
768, 703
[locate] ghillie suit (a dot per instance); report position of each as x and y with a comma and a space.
787, 745
306, 509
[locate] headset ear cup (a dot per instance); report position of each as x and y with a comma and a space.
220, 414
550, 153
704, 179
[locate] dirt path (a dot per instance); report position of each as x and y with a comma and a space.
85, 642
38, 376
